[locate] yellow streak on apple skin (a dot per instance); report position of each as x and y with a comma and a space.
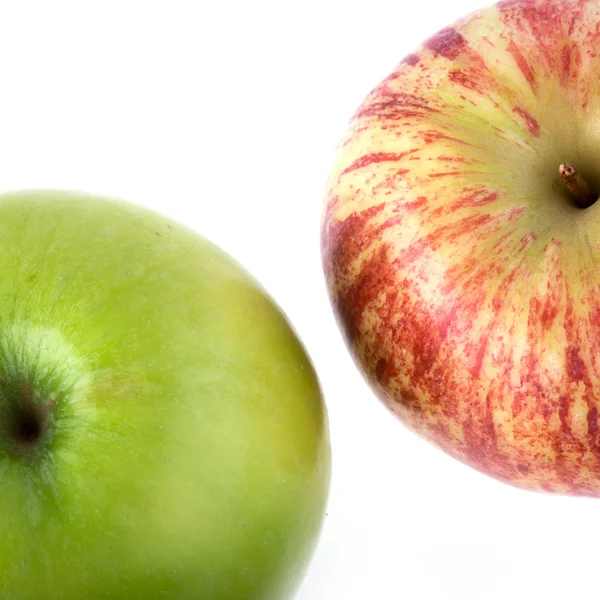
465, 280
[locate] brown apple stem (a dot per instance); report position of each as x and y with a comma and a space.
577, 185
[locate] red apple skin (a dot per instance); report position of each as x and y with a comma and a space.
466, 282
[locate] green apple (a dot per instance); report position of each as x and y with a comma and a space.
162, 431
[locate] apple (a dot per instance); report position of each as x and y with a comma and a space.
461, 242
162, 430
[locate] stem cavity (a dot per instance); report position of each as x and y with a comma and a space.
577, 185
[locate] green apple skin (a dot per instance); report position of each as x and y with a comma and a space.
180, 446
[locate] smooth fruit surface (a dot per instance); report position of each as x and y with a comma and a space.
162, 431
465, 278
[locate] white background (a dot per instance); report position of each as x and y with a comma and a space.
225, 115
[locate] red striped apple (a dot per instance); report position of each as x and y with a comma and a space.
461, 242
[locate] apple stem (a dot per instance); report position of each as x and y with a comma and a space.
577, 185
